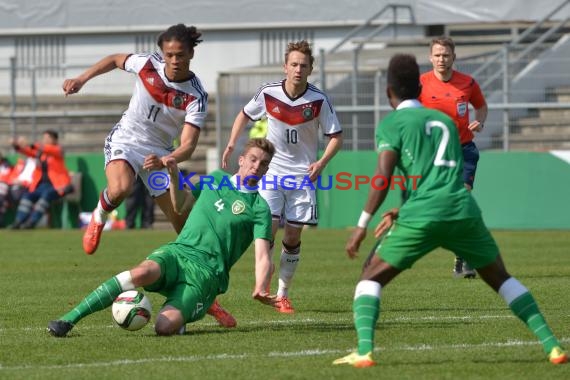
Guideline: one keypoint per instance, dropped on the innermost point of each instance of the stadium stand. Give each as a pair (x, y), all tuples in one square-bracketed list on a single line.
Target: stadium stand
[(537, 107)]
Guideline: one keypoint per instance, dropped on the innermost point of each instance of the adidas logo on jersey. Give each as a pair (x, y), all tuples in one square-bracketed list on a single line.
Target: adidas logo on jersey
[(275, 110), (150, 80)]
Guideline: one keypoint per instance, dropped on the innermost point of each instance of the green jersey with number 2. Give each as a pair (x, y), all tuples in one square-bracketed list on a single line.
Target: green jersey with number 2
[(431, 159)]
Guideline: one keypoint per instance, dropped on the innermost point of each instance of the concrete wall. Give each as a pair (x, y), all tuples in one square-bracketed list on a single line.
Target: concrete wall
[(515, 190)]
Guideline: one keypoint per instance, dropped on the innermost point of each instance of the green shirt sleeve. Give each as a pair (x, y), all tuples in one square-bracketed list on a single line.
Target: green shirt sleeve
[(262, 223), (387, 135)]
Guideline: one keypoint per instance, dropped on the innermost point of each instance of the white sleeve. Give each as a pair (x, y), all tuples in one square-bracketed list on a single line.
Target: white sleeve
[(197, 111), (135, 62), (255, 108), (328, 120)]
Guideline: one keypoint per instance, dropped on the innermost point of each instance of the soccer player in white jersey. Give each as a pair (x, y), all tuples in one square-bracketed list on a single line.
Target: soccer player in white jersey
[(295, 109), (168, 101)]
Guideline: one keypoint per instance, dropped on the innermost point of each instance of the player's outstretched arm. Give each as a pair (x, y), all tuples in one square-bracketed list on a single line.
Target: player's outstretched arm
[(240, 122), (262, 272), (110, 62), (182, 200)]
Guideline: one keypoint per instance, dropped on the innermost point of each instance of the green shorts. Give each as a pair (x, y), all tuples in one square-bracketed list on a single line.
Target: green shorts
[(469, 239), (187, 286)]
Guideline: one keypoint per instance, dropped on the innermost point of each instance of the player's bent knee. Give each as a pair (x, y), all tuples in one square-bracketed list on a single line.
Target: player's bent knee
[(165, 326), (169, 321)]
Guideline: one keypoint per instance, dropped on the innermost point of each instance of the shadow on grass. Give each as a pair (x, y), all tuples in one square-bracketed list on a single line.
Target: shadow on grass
[(317, 326)]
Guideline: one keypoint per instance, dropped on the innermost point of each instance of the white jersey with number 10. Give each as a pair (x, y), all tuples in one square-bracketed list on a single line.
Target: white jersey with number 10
[(293, 125)]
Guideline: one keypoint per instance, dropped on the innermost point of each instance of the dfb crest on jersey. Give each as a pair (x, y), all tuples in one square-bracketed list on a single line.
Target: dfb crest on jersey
[(238, 207), (177, 101), (308, 113)]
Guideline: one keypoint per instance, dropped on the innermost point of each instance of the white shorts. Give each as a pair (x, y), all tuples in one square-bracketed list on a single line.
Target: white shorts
[(298, 204), (156, 181)]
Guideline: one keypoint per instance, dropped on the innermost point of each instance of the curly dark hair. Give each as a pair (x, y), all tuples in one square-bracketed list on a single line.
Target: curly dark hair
[(188, 35), (404, 76)]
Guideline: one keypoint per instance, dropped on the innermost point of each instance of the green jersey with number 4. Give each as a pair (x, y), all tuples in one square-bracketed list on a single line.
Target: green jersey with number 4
[(431, 158), (223, 223)]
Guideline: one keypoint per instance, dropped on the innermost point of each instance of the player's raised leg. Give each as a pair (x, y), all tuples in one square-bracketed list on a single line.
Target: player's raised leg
[(120, 180)]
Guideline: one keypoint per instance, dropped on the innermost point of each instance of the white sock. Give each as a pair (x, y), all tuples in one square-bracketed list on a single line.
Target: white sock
[(367, 288), (512, 289), (287, 268), (125, 280), (99, 214)]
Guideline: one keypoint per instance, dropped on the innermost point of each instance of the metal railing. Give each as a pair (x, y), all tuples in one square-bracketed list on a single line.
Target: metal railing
[(516, 44), (354, 32), (26, 106), (360, 111), (358, 94)]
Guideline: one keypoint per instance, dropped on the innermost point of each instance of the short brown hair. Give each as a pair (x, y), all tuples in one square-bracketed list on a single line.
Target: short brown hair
[(301, 46), (263, 144), (443, 41)]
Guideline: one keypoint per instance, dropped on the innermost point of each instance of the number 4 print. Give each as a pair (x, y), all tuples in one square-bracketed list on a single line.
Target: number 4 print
[(219, 205)]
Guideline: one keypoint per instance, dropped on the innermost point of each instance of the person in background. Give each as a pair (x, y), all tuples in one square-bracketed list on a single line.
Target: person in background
[(259, 129), (14, 183), (451, 92), (6, 170), (50, 179), (139, 201)]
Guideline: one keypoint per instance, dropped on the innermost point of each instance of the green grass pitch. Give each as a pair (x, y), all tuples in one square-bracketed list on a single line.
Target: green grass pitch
[(431, 326)]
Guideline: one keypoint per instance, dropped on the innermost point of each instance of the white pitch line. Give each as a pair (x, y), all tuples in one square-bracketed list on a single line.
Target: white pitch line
[(303, 353)]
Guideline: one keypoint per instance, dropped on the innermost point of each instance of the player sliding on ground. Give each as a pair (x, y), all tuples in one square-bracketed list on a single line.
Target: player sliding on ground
[(191, 271), (439, 212)]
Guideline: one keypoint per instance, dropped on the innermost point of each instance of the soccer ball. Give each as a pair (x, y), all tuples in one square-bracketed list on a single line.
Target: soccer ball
[(131, 310)]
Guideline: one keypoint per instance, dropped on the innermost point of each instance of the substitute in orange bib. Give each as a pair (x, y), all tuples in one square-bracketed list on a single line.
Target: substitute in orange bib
[(50, 179)]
